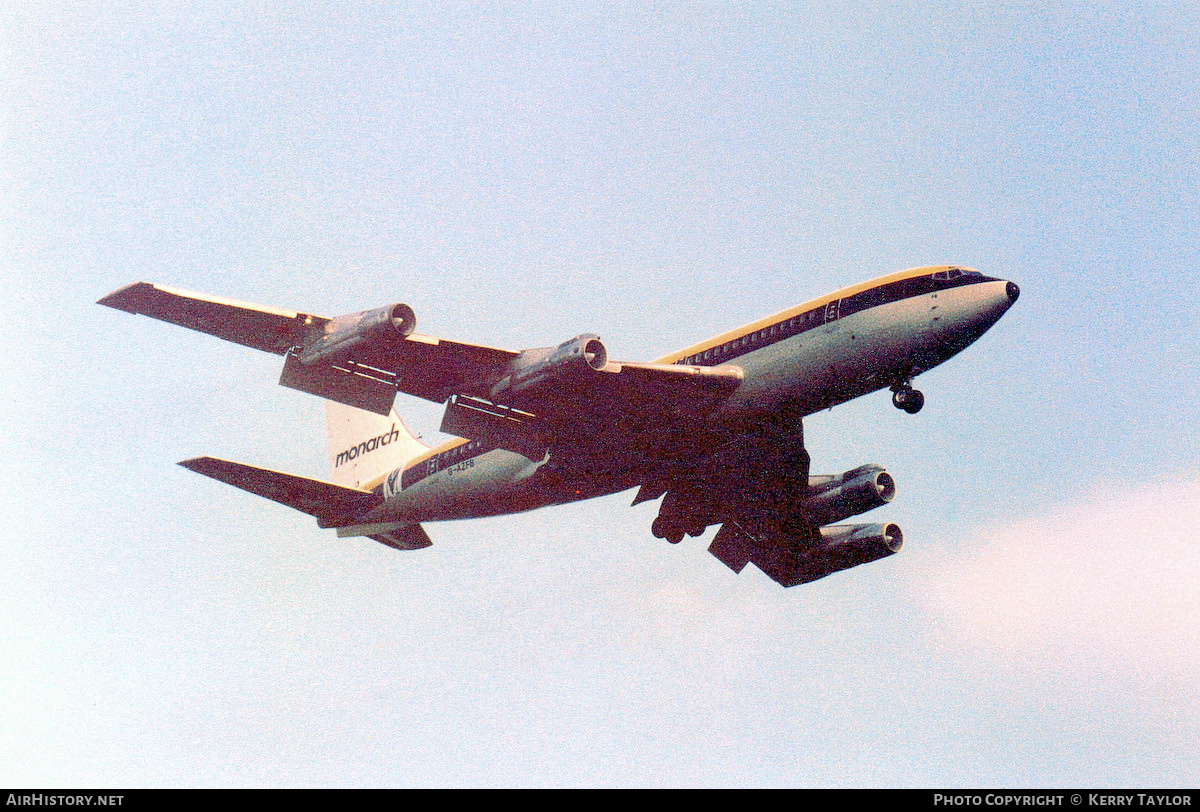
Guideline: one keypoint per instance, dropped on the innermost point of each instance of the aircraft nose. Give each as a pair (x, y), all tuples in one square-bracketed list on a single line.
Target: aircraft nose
[(1013, 292)]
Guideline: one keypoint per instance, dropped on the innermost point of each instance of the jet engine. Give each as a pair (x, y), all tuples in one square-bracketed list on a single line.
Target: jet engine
[(843, 546), (534, 368), (789, 562), (833, 498), (382, 326), (867, 542)]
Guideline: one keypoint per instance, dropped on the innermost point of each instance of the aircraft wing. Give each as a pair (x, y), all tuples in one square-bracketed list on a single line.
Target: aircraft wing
[(264, 328), (339, 358), (330, 504), (363, 359), (639, 407)]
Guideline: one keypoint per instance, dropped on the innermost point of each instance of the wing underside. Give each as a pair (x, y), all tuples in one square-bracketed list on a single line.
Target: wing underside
[(637, 407), (264, 328), (366, 376), (354, 359)]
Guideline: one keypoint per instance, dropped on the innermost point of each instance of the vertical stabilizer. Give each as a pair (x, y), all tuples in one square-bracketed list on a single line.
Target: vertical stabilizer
[(364, 446)]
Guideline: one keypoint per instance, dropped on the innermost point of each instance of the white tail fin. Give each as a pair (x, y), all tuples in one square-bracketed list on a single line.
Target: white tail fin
[(364, 446)]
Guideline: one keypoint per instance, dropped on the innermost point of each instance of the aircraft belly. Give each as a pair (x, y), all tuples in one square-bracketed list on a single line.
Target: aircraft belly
[(486, 485), (494, 483)]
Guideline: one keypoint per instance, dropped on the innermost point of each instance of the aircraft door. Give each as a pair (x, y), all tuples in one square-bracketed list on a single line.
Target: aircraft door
[(925, 336)]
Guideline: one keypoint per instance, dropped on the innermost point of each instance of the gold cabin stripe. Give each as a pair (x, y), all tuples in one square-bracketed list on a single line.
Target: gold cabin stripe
[(784, 315)]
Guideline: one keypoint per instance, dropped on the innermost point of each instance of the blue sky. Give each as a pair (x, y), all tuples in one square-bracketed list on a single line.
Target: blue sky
[(521, 174)]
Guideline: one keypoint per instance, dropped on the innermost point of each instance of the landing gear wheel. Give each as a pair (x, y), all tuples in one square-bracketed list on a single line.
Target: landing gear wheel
[(908, 399), (915, 401), (663, 529)]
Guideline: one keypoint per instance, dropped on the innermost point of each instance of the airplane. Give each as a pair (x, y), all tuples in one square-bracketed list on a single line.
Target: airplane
[(715, 430)]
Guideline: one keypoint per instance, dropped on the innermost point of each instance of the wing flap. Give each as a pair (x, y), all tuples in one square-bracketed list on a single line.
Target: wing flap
[(330, 504), (640, 398), (510, 429), (344, 384), (666, 391), (434, 368), (732, 547)]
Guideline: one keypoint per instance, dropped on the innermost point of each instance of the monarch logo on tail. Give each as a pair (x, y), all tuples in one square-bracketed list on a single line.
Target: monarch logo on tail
[(366, 447)]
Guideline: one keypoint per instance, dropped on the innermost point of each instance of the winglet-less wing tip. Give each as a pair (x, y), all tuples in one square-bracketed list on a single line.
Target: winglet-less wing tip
[(126, 298), (197, 464)]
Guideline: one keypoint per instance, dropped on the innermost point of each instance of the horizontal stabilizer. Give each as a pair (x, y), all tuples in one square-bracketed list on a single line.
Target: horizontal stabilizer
[(397, 535), (409, 537), (330, 504)]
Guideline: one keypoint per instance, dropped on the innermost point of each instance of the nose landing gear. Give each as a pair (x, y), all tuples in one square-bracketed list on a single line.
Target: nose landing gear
[(906, 398)]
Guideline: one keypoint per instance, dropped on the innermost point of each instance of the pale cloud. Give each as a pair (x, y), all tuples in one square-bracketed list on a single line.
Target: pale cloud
[(1109, 584)]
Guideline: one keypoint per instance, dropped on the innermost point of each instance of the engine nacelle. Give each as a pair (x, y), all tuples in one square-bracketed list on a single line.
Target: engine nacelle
[(533, 368), (867, 542), (844, 546), (382, 326), (833, 498)]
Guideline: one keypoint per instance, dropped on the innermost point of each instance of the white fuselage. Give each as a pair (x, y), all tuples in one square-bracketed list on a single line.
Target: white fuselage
[(810, 357)]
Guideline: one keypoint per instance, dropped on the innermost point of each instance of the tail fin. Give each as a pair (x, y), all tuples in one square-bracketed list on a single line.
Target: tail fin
[(364, 446)]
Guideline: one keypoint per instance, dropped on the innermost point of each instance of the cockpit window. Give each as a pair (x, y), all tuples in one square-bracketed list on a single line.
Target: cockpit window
[(955, 273)]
